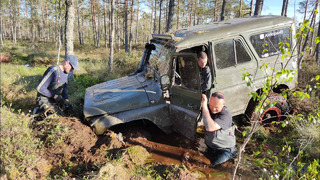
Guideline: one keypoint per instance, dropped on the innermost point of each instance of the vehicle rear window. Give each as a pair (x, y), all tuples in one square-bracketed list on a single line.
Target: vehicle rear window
[(266, 43)]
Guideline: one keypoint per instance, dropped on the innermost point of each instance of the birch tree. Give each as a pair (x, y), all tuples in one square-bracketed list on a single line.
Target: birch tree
[(111, 34)]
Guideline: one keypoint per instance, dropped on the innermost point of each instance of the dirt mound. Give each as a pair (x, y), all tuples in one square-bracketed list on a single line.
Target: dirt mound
[(4, 58), (70, 146)]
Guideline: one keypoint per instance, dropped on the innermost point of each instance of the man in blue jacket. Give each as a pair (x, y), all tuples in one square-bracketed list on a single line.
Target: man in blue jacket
[(52, 88), (220, 132)]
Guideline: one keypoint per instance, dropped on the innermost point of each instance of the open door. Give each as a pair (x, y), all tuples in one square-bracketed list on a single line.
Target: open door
[(185, 94)]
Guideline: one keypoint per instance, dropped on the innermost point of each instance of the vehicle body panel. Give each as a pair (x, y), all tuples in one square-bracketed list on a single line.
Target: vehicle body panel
[(175, 106)]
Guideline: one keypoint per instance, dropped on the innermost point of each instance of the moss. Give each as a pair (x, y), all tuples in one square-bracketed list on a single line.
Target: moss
[(138, 154)]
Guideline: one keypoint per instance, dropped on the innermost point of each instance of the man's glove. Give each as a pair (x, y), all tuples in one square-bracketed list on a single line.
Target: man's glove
[(68, 108)]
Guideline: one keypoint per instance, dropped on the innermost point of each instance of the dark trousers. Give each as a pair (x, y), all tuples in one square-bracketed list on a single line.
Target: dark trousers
[(218, 156), (44, 102)]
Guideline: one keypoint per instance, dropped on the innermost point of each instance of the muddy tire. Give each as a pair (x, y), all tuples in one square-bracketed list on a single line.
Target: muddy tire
[(270, 113)]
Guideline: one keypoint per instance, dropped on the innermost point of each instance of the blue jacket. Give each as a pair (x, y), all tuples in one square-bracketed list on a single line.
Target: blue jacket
[(53, 82)]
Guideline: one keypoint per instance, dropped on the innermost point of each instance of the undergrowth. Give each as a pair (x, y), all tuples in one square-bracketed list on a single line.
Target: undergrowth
[(20, 150)]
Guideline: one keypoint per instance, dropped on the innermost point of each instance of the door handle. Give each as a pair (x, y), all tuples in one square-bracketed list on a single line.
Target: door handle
[(190, 105)]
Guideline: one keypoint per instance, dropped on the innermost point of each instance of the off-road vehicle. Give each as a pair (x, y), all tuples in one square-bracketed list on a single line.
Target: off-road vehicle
[(165, 89)]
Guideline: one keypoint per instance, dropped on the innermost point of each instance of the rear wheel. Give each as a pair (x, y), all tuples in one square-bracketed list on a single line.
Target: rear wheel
[(270, 113)]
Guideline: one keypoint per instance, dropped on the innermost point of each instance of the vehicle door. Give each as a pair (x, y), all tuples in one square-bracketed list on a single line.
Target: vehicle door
[(232, 58), (185, 94)]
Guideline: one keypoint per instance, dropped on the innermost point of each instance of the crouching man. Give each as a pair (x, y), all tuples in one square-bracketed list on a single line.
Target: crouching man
[(52, 90), (220, 132)]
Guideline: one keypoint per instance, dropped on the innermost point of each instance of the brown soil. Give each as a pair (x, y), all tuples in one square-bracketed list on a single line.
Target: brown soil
[(74, 148), (4, 58)]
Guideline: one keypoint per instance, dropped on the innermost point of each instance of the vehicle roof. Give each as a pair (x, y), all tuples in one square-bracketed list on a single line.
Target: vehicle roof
[(200, 34)]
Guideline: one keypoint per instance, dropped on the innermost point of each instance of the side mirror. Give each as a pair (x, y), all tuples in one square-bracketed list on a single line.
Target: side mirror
[(165, 82)]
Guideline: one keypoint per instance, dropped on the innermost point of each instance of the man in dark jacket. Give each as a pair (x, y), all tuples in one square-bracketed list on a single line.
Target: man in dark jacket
[(53, 86), (220, 132), (205, 72)]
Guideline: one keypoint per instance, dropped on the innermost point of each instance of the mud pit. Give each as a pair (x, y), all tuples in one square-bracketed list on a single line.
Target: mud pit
[(79, 146)]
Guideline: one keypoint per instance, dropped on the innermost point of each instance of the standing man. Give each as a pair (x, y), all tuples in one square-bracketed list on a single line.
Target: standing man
[(219, 137), (52, 89), (205, 72)]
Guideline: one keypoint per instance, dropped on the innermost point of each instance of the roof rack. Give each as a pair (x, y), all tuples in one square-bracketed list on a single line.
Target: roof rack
[(163, 36)]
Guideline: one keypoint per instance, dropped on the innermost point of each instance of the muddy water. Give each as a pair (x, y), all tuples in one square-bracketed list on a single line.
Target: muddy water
[(174, 148)]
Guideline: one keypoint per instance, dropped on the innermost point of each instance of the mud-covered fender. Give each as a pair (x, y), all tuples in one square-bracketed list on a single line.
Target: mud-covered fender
[(158, 114)]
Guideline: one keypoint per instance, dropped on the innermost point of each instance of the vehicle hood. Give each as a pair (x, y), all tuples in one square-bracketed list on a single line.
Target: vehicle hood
[(115, 96)]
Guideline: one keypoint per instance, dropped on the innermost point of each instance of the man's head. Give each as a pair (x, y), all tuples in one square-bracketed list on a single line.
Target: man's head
[(70, 63), (216, 102), (202, 59)]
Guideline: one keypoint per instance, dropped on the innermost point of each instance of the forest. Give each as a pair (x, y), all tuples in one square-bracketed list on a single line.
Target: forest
[(108, 37)]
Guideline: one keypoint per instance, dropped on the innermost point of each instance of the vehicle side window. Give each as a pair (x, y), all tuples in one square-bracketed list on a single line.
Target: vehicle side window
[(185, 74), (266, 43), (230, 53)]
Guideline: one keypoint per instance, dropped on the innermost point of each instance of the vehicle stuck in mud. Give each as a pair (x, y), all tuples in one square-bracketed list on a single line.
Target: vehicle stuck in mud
[(165, 89)]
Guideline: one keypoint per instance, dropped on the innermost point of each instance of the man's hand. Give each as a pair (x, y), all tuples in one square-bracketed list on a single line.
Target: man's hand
[(204, 101)]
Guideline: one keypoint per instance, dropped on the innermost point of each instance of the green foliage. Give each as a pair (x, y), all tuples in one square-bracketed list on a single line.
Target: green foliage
[(19, 148), (295, 156)]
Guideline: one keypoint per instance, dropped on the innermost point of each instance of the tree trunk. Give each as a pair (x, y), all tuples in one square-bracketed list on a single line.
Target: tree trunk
[(306, 10), (98, 28), (47, 23), (178, 13), (137, 26), (216, 10), (160, 12), (317, 47), (170, 16), (131, 22), (155, 17), (94, 22), (111, 35), (69, 27), (1, 28), (222, 9), (258, 8), (150, 24), (284, 8), (33, 36), (105, 23), (191, 10), (60, 32), (118, 24), (240, 8), (27, 22), (43, 22), (251, 8), (126, 38), (195, 12), (13, 17), (79, 24)]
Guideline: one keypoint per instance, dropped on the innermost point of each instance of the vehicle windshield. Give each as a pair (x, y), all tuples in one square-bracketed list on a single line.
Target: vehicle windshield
[(159, 59)]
